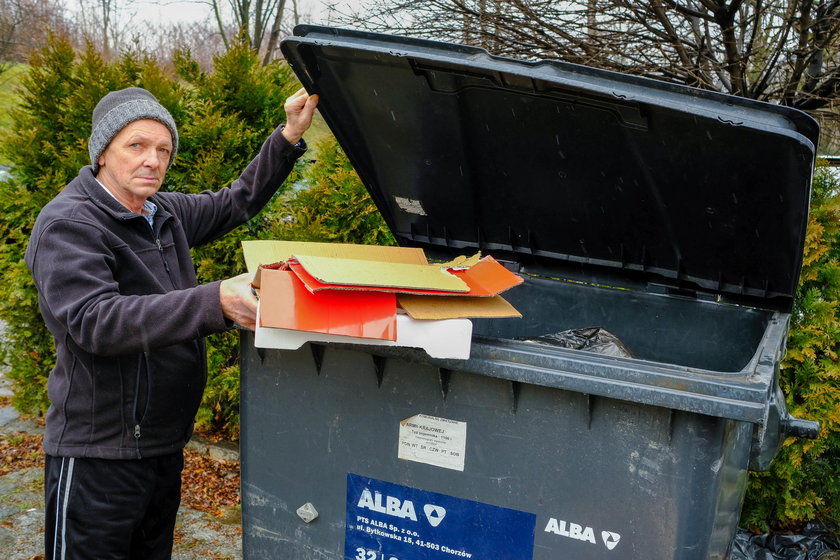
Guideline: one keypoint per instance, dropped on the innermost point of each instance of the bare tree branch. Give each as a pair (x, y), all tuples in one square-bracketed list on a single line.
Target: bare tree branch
[(259, 22), (783, 51), (218, 15), (24, 26), (274, 36)]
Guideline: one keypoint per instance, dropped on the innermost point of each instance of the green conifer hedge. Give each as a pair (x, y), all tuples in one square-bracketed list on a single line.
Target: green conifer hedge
[(334, 206)]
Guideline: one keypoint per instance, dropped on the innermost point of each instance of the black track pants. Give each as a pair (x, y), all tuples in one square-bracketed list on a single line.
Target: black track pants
[(102, 509)]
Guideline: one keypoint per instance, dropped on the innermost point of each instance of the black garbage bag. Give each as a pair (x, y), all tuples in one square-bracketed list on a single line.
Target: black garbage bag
[(813, 542), (593, 339)]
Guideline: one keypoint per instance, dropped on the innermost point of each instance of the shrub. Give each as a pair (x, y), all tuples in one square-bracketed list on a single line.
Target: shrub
[(332, 205), (802, 483)]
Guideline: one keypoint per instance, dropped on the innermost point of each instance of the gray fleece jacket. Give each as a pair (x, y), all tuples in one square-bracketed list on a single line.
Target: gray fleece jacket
[(121, 300)]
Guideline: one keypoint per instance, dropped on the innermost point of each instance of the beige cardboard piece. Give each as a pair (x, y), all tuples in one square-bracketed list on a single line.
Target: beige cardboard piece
[(260, 252), (446, 307), (366, 273), (462, 261)]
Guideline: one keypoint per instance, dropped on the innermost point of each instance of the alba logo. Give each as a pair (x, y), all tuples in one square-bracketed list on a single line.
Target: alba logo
[(388, 505), (610, 539), (434, 514), (581, 532)]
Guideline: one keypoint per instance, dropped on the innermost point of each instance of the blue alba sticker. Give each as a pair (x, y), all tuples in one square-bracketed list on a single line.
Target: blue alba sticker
[(388, 521)]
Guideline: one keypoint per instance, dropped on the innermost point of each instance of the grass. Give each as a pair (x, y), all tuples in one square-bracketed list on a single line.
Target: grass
[(9, 81), (317, 131)]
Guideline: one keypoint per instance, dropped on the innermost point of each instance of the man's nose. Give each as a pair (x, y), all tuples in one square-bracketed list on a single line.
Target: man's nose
[(152, 158)]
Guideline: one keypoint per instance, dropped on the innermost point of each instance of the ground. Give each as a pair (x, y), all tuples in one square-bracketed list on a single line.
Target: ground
[(209, 522)]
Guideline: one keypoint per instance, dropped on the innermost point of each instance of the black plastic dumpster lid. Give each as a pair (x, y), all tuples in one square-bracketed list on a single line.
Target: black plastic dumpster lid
[(552, 163)]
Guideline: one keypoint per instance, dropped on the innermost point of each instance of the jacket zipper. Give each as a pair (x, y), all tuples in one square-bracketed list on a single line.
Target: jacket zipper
[(144, 358), (163, 258), (137, 440)]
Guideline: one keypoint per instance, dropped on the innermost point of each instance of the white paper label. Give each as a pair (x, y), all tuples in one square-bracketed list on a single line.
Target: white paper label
[(410, 205), (433, 441)]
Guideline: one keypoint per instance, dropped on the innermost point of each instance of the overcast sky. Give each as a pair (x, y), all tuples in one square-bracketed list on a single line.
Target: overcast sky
[(187, 11)]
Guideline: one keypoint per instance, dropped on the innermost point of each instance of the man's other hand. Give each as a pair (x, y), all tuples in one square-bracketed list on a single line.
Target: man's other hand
[(239, 303)]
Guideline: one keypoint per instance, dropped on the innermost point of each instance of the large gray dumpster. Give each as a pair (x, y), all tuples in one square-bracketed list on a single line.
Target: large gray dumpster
[(674, 218)]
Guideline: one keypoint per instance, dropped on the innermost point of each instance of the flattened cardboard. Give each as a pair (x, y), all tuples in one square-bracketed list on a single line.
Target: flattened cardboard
[(286, 303), (487, 276), (446, 307), (314, 285), (261, 252), (447, 339), (380, 274)]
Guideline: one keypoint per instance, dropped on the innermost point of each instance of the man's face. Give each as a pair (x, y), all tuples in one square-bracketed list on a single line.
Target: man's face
[(133, 165)]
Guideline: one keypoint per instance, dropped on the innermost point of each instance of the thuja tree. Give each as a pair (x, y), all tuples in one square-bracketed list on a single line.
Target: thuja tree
[(332, 204), (223, 118), (231, 113), (804, 480)]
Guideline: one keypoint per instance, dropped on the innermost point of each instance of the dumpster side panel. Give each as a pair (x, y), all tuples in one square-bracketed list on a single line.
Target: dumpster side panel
[(604, 478)]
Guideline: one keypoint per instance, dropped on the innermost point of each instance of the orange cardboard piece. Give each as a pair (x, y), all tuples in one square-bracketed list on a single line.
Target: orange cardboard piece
[(487, 277), (285, 303), (446, 307)]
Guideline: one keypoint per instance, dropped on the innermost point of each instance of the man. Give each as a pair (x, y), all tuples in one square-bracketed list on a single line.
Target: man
[(117, 289)]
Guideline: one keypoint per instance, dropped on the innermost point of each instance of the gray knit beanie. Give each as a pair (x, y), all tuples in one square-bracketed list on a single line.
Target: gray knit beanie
[(119, 108)]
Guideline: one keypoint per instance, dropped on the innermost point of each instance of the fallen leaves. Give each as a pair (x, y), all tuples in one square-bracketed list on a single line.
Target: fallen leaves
[(19, 452), (207, 485)]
